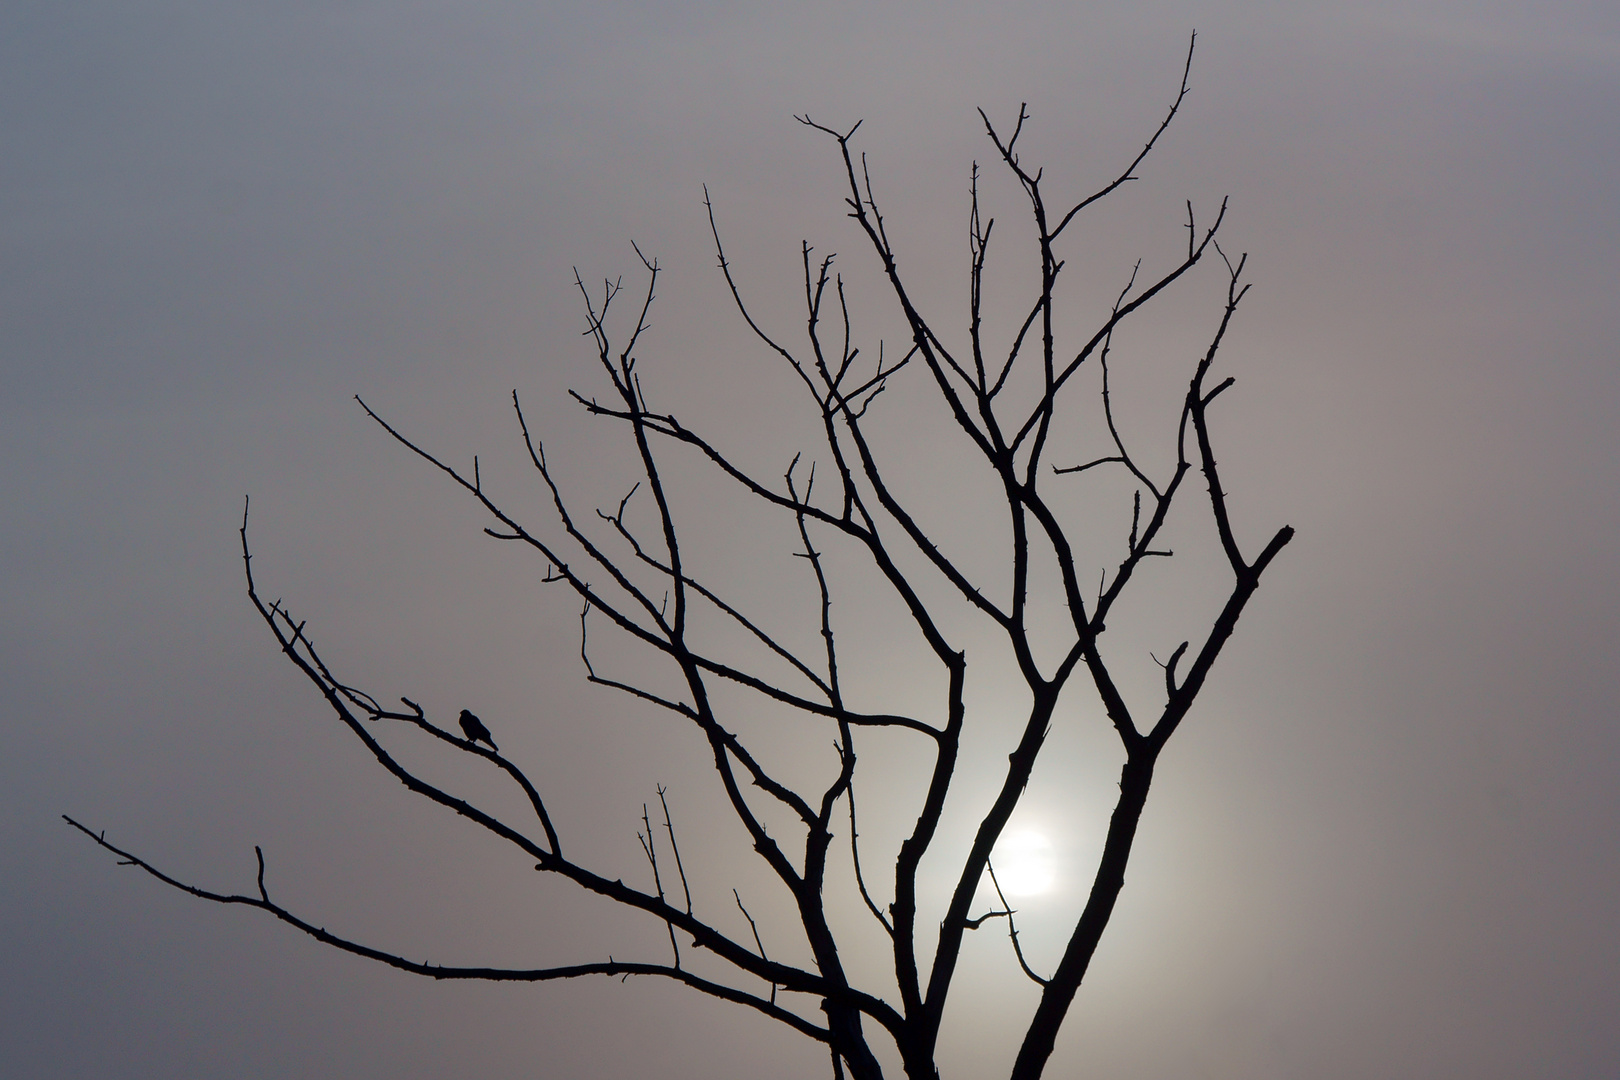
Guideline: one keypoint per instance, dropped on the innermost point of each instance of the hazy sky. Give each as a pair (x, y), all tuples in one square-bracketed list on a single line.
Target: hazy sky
[(1387, 844)]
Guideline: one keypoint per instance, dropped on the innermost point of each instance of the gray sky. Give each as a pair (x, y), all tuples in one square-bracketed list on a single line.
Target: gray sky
[(1386, 843)]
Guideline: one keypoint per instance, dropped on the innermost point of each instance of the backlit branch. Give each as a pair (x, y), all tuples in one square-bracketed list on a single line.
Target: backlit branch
[(608, 968), (645, 587)]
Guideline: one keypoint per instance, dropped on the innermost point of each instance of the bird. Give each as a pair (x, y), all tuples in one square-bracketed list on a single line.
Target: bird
[(476, 730)]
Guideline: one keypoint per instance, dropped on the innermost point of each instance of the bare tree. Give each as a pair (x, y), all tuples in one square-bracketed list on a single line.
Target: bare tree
[(650, 594)]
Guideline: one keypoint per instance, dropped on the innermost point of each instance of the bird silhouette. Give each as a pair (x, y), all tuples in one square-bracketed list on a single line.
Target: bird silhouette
[(476, 730)]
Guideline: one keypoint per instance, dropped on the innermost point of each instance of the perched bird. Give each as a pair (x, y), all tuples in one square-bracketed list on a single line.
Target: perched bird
[(476, 730)]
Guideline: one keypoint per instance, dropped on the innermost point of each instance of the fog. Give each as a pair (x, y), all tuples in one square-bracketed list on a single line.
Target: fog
[(1383, 844)]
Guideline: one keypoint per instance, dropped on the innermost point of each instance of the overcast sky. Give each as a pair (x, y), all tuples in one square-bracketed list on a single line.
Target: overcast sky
[(1386, 844)]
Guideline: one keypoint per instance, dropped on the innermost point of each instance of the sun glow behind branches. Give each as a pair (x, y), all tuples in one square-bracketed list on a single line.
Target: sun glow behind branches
[(1024, 862)]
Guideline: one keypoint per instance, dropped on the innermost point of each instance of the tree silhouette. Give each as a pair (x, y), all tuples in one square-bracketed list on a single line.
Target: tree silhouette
[(1003, 399)]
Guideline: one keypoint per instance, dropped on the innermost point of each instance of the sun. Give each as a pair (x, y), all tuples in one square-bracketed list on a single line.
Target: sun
[(1024, 863)]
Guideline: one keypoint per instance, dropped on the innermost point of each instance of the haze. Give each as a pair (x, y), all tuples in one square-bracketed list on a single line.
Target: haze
[(1387, 844)]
